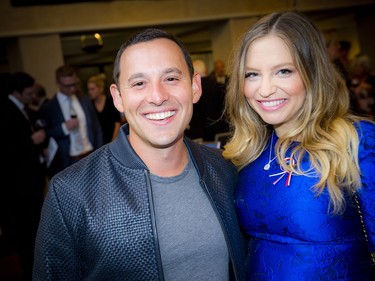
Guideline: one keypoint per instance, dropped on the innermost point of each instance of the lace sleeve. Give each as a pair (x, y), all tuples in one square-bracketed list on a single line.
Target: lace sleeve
[(367, 192)]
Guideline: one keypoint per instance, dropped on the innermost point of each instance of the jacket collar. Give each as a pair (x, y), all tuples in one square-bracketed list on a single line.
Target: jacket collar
[(125, 154)]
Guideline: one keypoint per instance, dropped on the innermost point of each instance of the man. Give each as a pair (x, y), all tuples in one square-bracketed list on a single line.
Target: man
[(218, 74), (208, 118), (39, 97), (23, 172), (151, 205), (71, 121)]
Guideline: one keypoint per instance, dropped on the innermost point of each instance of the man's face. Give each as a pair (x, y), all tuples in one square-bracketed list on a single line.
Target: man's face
[(69, 85), (26, 95), (220, 68), (156, 93)]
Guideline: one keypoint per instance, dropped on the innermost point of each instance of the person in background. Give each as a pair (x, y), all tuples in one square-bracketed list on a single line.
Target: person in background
[(209, 109), (345, 47), (218, 74), (362, 86), (109, 117), (152, 204), (71, 121), (200, 67), (303, 158), (39, 97), (23, 171), (195, 129), (4, 82), (333, 48)]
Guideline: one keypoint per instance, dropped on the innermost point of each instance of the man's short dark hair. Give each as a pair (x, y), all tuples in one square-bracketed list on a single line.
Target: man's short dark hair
[(149, 35), (18, 81), (65, 71)]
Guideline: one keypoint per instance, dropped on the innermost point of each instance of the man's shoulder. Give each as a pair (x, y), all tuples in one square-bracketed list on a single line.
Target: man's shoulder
[(96, 164), (211, 155), (49, 102)]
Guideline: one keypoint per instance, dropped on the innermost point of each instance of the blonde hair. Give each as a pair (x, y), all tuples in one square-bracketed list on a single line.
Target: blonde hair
[(98, 80), (324, 128)]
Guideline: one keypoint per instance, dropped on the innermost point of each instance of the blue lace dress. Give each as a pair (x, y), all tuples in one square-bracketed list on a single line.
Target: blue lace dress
[(292, 235)]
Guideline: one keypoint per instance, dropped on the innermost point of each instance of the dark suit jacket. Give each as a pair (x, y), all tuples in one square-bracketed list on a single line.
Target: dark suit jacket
[(23, 183), (21, 156), (53, 116), (207, 118)]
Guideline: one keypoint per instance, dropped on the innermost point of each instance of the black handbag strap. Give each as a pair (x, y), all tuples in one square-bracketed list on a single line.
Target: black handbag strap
[(356, 199)]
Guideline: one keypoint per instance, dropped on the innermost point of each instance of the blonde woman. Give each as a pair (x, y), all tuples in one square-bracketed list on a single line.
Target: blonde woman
[(109, 117), (301, 157)]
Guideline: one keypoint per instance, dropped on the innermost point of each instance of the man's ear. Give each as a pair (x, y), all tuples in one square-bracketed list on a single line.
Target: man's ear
[(116, 97), (197, 87)]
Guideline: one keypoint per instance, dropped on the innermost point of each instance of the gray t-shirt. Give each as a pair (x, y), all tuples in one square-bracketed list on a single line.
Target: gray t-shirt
[(191, 240)]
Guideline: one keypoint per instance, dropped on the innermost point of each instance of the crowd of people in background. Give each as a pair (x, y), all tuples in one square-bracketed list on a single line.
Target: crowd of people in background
[(358, 73), (362, 85), (23, 172), (208, 118), (45, 134)]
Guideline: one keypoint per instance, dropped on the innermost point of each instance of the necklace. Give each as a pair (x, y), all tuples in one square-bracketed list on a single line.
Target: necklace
[(268, 165)]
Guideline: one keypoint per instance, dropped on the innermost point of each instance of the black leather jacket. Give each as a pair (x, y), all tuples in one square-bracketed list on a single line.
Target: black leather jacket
[(98, 221)]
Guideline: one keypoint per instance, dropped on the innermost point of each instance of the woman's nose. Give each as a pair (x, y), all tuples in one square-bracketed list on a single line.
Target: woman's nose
[(267, 87)]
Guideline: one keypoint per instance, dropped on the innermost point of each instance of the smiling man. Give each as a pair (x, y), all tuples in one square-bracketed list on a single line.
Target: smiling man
[(152, 204)]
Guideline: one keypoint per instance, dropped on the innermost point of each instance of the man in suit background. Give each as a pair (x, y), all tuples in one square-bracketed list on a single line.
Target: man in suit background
[(23, 175), (208, 119), (71, 121)]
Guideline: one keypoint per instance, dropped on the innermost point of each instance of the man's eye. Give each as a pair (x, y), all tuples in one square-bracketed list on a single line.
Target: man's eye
[(138, 84), (171, 79)]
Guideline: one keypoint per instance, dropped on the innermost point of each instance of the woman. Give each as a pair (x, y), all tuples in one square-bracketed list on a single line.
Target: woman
[(301, 157), (109, 117)]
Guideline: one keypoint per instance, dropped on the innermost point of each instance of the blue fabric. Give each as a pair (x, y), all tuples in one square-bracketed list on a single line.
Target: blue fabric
[(293, 236)]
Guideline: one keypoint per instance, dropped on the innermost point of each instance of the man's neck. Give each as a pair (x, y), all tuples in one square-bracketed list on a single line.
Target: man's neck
[(164, 162)]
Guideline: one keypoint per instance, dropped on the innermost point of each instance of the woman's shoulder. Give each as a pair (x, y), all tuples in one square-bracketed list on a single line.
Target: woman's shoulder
[(366, 135), (365, 128)]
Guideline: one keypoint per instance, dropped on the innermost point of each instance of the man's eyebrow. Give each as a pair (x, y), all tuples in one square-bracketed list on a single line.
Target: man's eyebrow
[(173, 69), (136, 75), (166, 71)]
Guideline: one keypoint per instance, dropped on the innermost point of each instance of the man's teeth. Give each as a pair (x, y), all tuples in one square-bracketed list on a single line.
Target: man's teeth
[(160, 115), (272, 103)]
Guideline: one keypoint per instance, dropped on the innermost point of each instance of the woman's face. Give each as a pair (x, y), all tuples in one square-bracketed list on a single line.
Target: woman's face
[(273, 86), (93, 90)]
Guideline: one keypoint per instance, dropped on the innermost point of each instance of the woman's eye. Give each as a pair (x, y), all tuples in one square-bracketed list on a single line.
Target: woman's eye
[(250, 74), (285, 71)]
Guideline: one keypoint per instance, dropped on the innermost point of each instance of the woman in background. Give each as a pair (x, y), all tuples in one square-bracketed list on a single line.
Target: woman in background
[(109, 117), (302, 156)]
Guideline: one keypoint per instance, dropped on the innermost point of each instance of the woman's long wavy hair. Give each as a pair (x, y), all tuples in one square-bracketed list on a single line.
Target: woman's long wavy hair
[(324, 129)]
